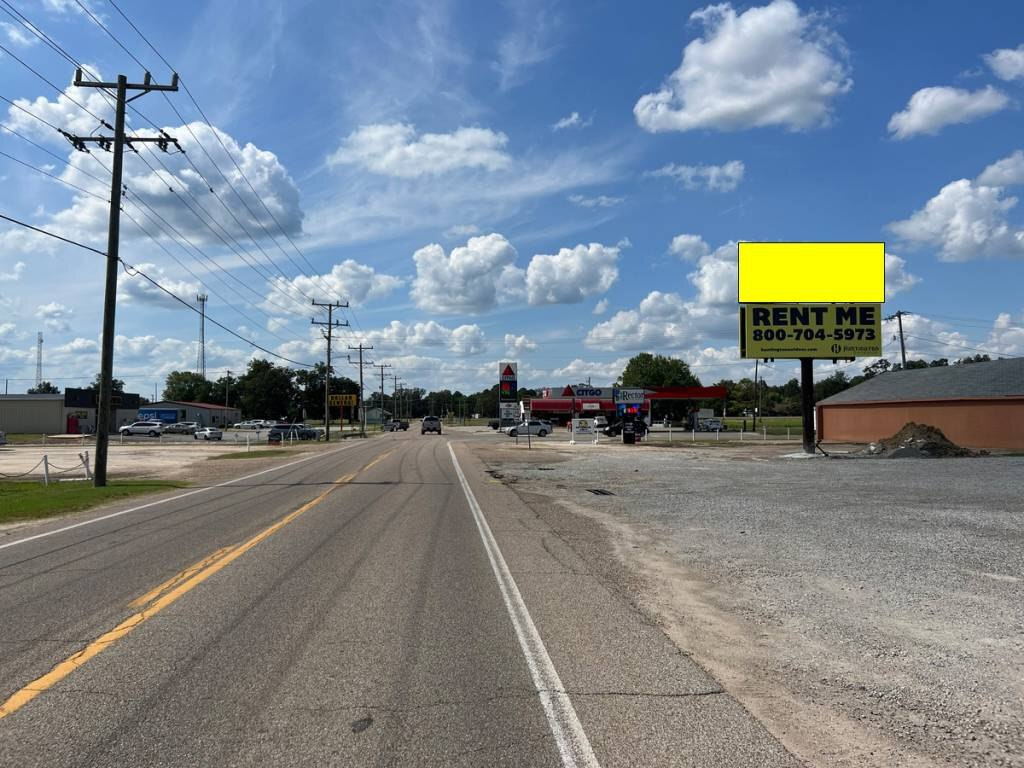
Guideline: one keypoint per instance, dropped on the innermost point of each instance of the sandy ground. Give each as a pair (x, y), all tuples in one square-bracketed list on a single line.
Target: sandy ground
[(870, 614)]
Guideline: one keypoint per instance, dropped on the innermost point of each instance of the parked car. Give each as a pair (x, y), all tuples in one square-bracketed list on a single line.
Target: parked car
[(538, 427), (430, 424), (396, 424), (283, 431), (182, 428), (208, 433), (712, 425), (151, 428), (250, 424), (614, 430)]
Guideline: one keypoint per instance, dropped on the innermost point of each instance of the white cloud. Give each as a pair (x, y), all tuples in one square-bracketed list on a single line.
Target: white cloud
[(395, 150), (897, 279), (1006, 336), (601, 201), (932, 109), (769, 65), (137, 290), (689, 247), (599, 373), (516, 346), (964, 221), (527, 43), (1007, 172), (406, 338), (55, 316), (461, 230), (601, 307), (716, 178), (572, 274), (572, 121), (347, 281), (667, 320), (18, 35), (78, 345), (1007, 63), (14, 275), (471, 279), (7, 330)]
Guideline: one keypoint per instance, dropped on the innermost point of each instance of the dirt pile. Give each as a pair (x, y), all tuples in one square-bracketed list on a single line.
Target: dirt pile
[(918, 441)]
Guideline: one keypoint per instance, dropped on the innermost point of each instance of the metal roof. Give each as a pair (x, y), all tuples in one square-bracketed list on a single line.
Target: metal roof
[(998, 378)]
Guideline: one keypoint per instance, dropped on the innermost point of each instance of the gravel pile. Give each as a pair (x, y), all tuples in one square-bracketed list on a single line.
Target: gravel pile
[(917, 441)]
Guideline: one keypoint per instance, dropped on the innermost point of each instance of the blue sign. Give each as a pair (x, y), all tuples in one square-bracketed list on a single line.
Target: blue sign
[(166, 415)]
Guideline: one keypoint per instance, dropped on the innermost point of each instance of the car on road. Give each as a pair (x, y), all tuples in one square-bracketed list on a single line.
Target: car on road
[(250, 424), (396, 424), (430, 424), (538, 427), (614, 430), (208, 433), (182, 428), (151, 428)]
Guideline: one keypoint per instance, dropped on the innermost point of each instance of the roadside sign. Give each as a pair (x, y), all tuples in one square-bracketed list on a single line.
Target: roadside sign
[(630, 395), (508, 412), (824, 331), (811, 272), (341, 400), (508, 384), (590, 407), (583, 426)]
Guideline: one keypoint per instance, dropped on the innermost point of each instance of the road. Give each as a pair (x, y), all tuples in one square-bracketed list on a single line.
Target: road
[(380, 603)]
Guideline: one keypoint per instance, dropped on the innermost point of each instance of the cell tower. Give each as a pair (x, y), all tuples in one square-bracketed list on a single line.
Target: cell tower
[(201, 360), (39, 358)]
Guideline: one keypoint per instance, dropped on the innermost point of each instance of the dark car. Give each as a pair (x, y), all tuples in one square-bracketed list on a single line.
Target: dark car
[(291, 432), (614, 430), (494, 424), (396, 424), (430, 424)]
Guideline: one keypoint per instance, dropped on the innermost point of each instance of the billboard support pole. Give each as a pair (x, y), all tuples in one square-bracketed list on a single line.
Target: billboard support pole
[(807, 402)]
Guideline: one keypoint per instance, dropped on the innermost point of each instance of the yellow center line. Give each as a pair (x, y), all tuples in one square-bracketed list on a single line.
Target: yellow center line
[(164, 595)]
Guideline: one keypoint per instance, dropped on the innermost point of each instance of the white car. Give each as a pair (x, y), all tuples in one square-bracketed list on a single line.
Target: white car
[(538, 427), (151, 428), (251, 424), (208, 433)]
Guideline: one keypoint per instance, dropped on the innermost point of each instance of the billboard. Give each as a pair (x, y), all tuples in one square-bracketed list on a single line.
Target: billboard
[(825, 331), (796, 273)]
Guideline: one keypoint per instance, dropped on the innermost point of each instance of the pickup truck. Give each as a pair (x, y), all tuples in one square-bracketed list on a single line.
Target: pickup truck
[(396, 424)]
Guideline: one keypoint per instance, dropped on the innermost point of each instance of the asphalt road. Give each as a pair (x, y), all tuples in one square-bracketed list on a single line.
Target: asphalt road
[(375, 604)]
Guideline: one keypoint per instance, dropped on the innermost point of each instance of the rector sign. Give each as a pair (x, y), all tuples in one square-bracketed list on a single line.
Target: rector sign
[(824, 331), (508, 383)]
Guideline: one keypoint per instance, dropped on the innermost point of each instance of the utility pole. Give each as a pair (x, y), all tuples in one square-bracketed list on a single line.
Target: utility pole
[(201, 357), (331, 325), (382, 366), (39, 358), (394, 396), (227, 383), (362, 402), (115, 143), (755, 394), (903, 347)]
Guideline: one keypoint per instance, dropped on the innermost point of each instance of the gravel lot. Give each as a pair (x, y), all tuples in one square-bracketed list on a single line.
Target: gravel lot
[(870, 612)]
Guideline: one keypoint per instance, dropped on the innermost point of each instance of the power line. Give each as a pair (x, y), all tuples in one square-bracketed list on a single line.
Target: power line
[(52, 176)]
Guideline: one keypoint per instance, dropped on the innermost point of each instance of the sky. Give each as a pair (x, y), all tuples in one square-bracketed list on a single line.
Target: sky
[(560, 184)]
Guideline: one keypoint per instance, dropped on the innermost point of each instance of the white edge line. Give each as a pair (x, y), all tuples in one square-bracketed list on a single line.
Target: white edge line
[(570, 738), (173, 498)]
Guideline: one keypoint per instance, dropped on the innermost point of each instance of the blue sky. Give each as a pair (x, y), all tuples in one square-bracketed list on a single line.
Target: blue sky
[(560, 184)]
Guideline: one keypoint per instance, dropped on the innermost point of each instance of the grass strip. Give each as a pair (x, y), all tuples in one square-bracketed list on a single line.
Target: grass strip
[(260, 454), (30, 500)]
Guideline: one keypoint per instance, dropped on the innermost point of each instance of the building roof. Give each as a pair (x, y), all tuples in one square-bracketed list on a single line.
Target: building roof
[(998, 378), (209, 406)]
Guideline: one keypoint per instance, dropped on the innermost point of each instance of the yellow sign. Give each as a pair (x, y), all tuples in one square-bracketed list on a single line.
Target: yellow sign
[(811, 330), (349, 400), (797, 273)]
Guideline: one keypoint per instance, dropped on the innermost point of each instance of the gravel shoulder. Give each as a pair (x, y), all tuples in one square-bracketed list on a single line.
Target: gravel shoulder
[(869, 613)]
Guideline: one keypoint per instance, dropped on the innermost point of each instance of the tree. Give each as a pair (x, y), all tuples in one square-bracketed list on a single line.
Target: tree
[(647, 370), (877, 367), (832, 385), (979, 358), (266, 390), (187, 387), (44, 388), (117, 384)]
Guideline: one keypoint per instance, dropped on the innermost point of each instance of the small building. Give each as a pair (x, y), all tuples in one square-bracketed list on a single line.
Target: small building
[(979, 405), (377, 415), (172, 411), (74, 412)]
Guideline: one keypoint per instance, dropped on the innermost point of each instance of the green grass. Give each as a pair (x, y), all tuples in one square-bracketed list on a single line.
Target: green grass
[(24, 500), (776, 425), (260, 454)]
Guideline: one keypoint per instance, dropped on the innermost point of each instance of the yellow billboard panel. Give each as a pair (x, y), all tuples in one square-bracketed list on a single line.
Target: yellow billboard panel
[(811, 330), (336, 400), (796, 273)]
